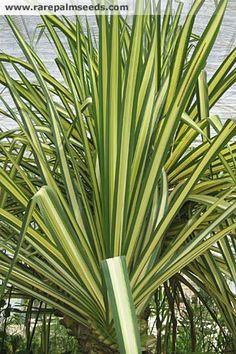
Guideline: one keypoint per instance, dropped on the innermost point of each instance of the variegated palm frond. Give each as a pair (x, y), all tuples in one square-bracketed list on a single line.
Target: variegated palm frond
[(120, 158)]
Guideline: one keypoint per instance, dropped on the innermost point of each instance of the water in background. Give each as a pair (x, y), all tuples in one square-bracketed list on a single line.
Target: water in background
[(226, 40)]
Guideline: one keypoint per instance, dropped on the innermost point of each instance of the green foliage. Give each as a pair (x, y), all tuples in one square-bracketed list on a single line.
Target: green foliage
[(210, 338), (107, 162), (186, 320), (16, 337)]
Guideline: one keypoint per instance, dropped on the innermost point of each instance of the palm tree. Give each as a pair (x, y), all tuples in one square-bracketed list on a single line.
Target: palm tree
[(103, 185)]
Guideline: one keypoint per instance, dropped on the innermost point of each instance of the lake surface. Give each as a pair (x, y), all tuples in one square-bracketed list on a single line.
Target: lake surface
[(226, 40)]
